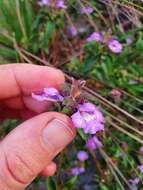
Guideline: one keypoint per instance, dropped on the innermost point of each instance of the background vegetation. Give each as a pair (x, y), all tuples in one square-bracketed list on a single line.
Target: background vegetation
[(42, 35)]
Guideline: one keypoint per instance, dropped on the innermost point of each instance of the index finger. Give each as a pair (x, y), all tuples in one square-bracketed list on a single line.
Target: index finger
[(17, 79)]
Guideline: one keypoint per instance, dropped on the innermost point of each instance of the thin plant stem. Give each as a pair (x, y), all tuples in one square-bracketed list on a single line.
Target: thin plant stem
[(101, 172), (122, 122), (20, 19), (125, 132), (21, 54)]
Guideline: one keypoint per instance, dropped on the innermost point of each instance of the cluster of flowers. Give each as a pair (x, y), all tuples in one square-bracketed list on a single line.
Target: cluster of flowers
[(59, 4), (114, 45), (82, 156), (85, 116)]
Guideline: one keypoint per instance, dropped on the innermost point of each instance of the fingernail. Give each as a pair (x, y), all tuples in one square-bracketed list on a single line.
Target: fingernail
[(57, 134)]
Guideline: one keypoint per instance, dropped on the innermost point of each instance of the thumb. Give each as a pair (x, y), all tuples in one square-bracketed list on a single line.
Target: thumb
[(29, 148)]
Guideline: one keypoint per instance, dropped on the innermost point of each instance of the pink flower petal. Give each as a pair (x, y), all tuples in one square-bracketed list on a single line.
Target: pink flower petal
[(87, 107), (115, 46), (39, 98), (50, 91), (86, 10), (78, 120), (93, 143), (95, 37)]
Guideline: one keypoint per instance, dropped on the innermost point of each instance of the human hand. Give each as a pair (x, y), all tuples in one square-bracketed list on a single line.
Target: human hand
[(29, 149)]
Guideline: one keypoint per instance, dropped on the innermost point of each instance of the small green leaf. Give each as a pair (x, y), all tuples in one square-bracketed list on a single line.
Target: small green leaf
[(50, 184), (81, 133), (70, 184), (103, 187)]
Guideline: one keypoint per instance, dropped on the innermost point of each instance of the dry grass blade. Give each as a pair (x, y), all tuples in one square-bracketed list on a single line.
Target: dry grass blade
[(110, 163), (133, 97), (125, 132), (123, 123)]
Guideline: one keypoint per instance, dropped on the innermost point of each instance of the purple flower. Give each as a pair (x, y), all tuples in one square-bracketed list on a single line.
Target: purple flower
[(131, 82), (93, 143), (95, 37), (129, 40), (76, 171), (141, 168), (72, 31), (81, 170), (115, 46), (86, 10), (44, 2), (82, 156), (49, 94), (134, 182), (116, 94), (60, 4), (89, 118)]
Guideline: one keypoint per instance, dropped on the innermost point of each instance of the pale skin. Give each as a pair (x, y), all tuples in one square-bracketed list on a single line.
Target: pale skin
[(29, 149)]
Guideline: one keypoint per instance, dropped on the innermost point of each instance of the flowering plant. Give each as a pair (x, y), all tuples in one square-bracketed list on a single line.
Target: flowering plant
[(101, 42), (84, 115)]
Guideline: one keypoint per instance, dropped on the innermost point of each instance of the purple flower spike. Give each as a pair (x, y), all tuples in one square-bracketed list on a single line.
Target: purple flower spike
[(49, 94), (86, 10), (60, 4), (134, 182), (115, 46), (89, 118), (82, 156), (141, 168), (95, 37), (93, 143)]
